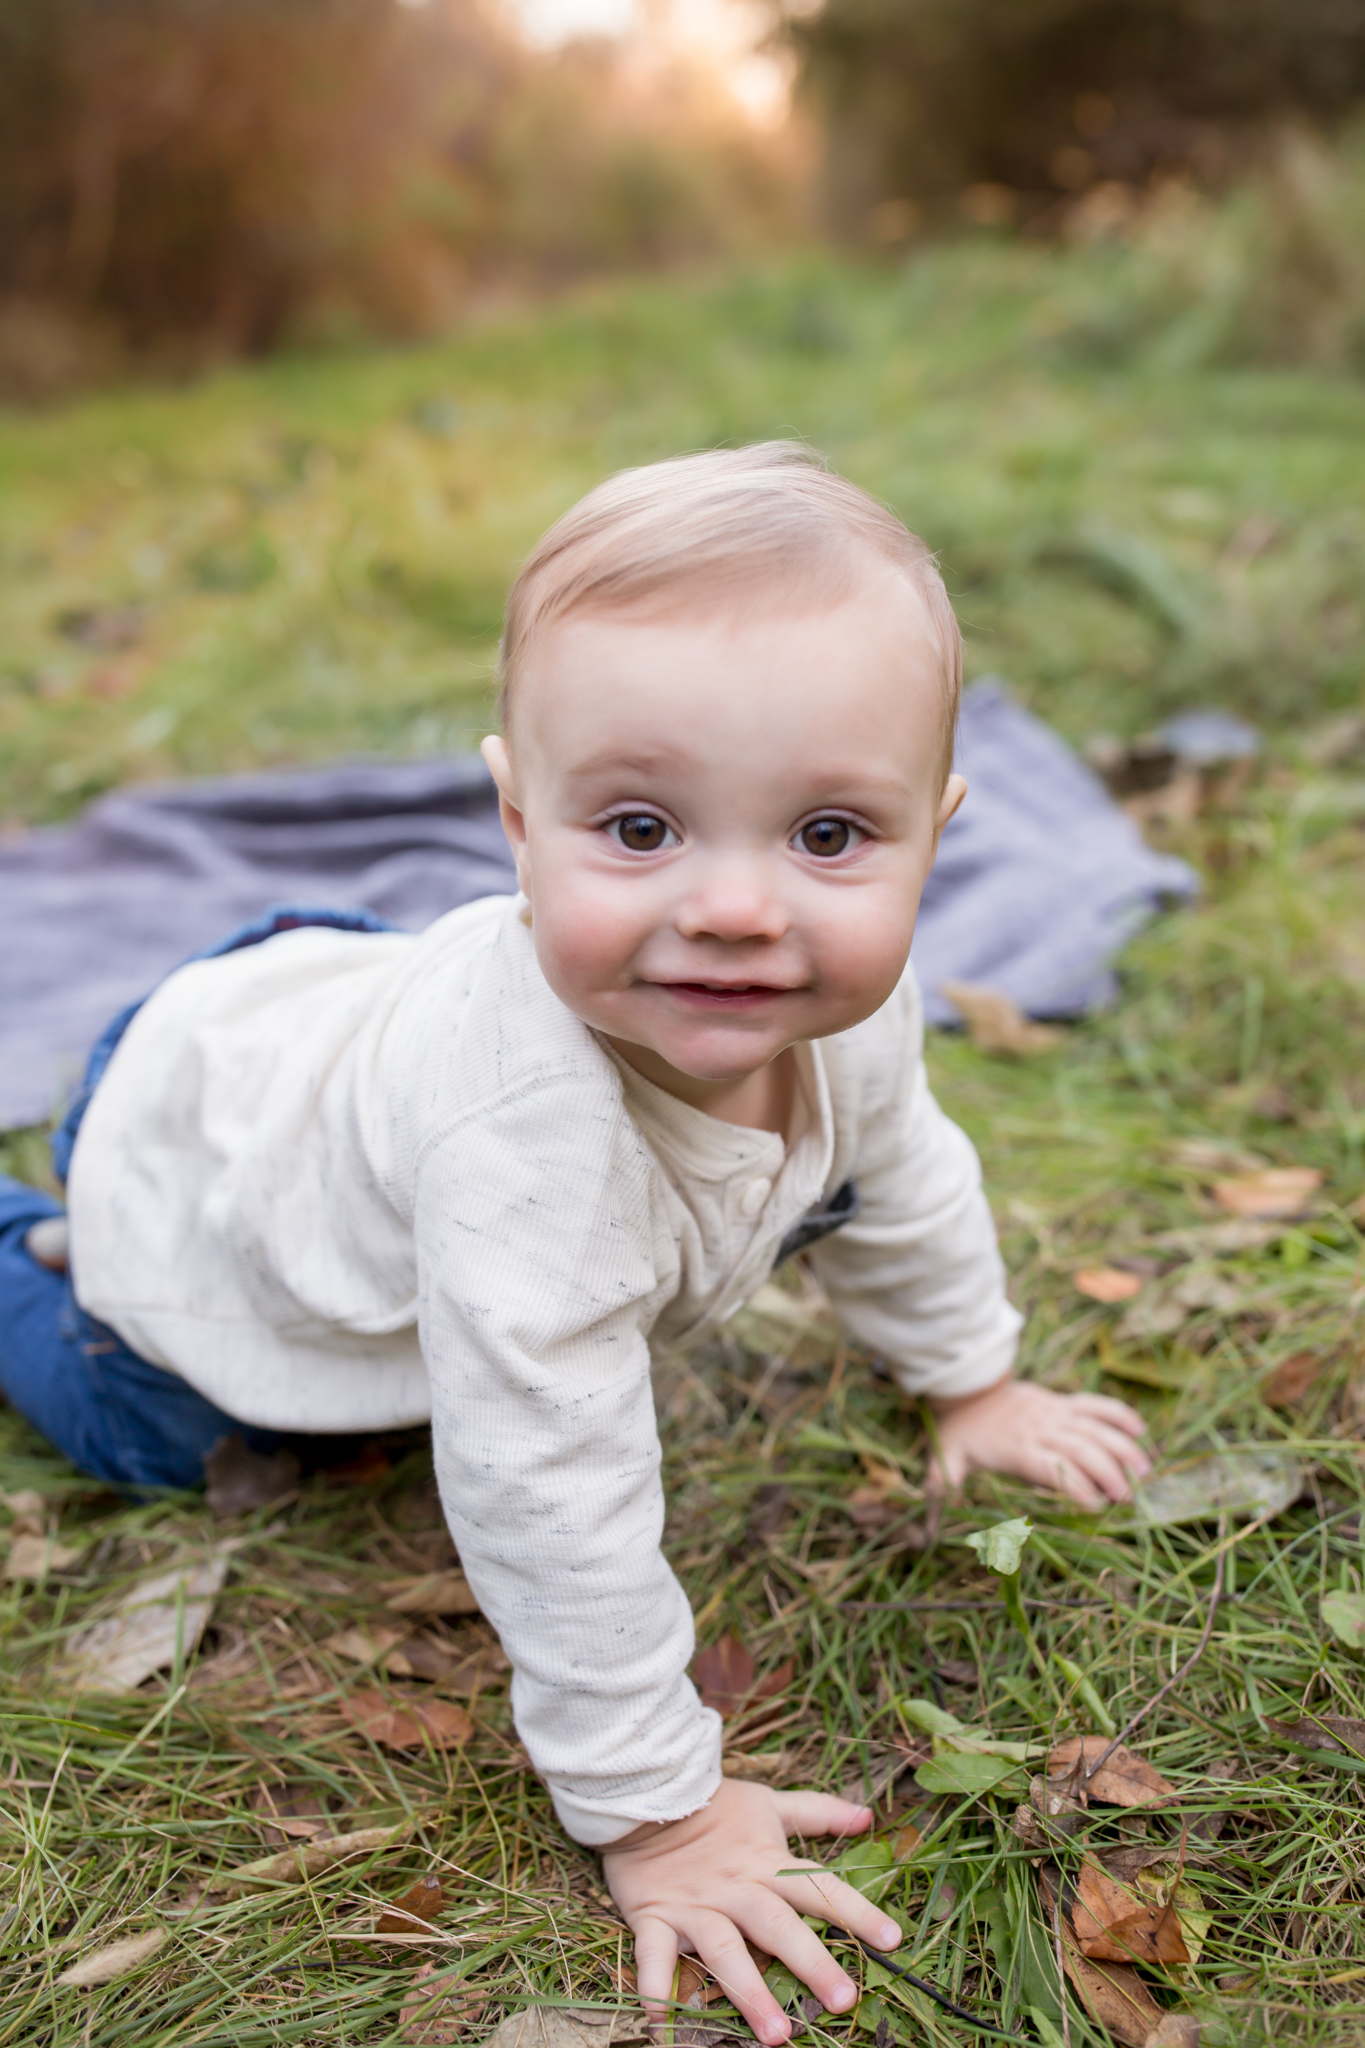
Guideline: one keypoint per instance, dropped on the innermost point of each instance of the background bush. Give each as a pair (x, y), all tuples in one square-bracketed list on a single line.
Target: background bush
[(927, 98), (204, 177)]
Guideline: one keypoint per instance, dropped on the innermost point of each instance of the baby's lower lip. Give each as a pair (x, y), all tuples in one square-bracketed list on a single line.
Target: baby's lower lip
[(715, 996)]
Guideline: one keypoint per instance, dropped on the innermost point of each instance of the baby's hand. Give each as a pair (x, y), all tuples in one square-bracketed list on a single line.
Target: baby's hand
[(1082, 1445), (723, 1876)]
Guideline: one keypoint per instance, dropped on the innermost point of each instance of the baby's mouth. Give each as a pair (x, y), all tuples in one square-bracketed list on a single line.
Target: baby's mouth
[(725, 995)]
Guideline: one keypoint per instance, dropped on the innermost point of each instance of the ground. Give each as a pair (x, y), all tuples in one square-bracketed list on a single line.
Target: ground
[(309, 558)]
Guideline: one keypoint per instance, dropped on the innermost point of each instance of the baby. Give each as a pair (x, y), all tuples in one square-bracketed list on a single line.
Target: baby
[(346, 1179)]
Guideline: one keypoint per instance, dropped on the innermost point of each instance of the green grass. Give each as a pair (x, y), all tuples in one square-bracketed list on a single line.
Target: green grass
[(317, 551)]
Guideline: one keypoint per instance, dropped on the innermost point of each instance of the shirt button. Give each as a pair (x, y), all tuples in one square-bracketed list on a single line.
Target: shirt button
[(754, 1196)]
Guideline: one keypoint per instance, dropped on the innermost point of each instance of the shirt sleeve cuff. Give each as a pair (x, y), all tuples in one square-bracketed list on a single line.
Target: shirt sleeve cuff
[(597, 1817)]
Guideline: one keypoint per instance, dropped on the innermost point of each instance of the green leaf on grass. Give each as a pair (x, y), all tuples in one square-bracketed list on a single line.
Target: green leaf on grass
[(1344, 1614), (933, 1720), (1001, 1546), (964, 1776)]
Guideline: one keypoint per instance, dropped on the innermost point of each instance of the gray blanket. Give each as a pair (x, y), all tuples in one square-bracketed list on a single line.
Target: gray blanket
[(1039, 882)]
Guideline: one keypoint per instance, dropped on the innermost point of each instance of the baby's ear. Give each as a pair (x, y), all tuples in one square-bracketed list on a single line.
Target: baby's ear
[(499, 764), (954, 789)]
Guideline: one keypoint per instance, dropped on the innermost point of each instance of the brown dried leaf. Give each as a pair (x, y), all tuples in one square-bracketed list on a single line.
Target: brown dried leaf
[(724, 1675), (483, 1667), (995, 1023), (1275, 1191), (1341, 1732), (1174, 2030), (437, 2010), (296, 1812), (360, 1645), (1059, 1812), (1113, 1926), (420, 1656), (115, 1961), (33, 1557), (116, 1653), (958, 1671), (433, 1593), (1292, 1378), (370, 1464), (547, 2026), (305, 1859), (28, 1509), (1107, 1284), (241, 1481), (417, 1907), (1126, 1780), (409, 1725), (1112, 1993)]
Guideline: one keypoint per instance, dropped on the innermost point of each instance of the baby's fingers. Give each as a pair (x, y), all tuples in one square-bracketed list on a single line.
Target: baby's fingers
[(827, 1897), (1104, 1409), (820, 1813), (656, 1964)]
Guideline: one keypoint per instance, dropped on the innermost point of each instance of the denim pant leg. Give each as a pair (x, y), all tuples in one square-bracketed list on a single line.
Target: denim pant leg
[(114, 1415)]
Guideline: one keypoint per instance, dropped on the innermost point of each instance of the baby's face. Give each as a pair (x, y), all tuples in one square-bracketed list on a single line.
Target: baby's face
[(724, 824)]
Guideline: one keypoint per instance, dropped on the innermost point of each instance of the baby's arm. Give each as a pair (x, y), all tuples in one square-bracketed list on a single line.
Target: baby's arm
[(1082, 1445), (917, 1276), (724, 1876)]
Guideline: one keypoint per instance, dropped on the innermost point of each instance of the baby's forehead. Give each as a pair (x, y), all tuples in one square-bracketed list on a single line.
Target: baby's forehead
[(568, 644)]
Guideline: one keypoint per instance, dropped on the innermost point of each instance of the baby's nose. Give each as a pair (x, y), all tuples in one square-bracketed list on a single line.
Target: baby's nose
[(734, 909)]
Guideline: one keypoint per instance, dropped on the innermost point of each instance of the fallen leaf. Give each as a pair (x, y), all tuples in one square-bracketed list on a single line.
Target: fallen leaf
[(420, 1656), (241, 1481), (1114, 1994), (1292, 1378), (304, 1859), (907, 1841), (995, 1023), (1113, 1926), (115, 1961), (369, 1465), (1002, 1545), (1274, 1191), (362, 1645), (1344, 1614), (437, 2010), (118, 1652), (957, 1671), (1250, 1480), (433, 1593), (409, 1725), (1340, 1732), (486, 1666), (1212, 1155), (1106, 1284), (756, 1770), (29, 1510), (1174, 2030), (421, 1902), (726, 1677), (549, 2026), (964, 1774), (1127, 1779), (33, 1557), (290, 1812)]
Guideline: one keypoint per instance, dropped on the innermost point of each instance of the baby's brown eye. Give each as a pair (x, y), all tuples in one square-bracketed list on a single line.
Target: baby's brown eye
[(826, 836), (641, 834)]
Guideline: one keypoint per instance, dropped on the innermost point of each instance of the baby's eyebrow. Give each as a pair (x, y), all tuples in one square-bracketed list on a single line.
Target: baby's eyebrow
[(643, 762)]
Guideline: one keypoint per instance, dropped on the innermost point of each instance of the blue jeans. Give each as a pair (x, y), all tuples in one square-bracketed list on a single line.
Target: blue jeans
[(113, 1414)]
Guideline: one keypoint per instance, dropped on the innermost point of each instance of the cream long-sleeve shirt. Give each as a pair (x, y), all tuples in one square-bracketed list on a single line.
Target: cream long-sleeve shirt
[(346, 1181)]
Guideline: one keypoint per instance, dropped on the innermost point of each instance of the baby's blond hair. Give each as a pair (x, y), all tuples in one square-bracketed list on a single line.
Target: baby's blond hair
[(738, 523)]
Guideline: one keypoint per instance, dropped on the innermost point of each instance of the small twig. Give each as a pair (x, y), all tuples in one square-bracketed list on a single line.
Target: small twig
[(1175, 1679), (959, 2012)]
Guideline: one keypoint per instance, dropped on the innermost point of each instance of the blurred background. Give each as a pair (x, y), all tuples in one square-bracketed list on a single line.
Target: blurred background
[(313, 313)]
